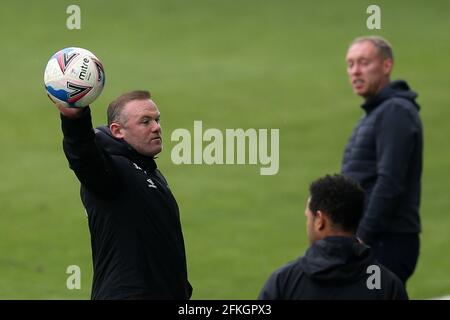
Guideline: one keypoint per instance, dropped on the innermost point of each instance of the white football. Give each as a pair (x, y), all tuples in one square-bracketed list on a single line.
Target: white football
[(74, 77)]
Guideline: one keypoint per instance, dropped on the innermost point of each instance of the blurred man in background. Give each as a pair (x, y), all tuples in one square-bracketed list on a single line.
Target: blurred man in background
[(384, 154), (137, 242), (336, 265)]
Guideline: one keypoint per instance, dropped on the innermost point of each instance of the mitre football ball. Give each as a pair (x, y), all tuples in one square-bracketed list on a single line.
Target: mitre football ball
[(74, 77)]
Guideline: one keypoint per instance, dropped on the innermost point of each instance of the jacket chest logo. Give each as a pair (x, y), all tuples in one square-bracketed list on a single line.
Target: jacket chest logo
[(150, 182)]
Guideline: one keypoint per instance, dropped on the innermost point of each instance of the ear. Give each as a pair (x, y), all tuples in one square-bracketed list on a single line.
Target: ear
[(387, 66), (116, 130), (320, 221)]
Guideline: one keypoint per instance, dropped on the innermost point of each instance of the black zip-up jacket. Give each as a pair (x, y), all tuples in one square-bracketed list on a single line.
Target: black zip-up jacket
[(384, 154), (337, 268), (137, 242)]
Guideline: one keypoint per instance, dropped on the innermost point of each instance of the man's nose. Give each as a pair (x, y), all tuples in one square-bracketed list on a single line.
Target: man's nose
[(156, 127), (355, 69)]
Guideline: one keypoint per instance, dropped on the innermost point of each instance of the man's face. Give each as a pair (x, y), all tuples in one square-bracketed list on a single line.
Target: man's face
[(141, 129), (367, 70)]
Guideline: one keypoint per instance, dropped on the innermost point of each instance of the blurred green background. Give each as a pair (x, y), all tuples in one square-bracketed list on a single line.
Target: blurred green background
[(231, 64)]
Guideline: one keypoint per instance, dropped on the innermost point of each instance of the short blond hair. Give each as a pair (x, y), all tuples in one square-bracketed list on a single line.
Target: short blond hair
[(383, 46)]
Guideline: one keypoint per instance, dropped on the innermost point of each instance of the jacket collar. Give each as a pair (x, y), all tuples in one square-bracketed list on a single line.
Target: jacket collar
[(120, 147), (397, 88)]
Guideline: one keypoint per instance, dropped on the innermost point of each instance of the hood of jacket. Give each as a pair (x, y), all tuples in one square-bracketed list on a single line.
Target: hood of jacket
[(395, 89), (120, 147), (337, 259)]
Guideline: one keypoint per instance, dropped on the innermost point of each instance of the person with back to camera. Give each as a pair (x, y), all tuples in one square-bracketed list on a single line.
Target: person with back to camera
[(336, 265)]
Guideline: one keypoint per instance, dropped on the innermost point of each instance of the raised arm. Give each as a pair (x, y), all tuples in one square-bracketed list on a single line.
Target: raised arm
[(91, 166)]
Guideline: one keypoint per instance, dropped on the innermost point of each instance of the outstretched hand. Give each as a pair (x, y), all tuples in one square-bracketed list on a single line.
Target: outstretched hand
[(68, 112)]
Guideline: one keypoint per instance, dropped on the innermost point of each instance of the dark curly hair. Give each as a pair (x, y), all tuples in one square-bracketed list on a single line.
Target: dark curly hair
[(339, 197)]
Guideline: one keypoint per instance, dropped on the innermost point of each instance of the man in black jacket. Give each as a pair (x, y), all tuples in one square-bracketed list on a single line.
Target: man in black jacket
[(336, 265), (384, 154), (137, 242)]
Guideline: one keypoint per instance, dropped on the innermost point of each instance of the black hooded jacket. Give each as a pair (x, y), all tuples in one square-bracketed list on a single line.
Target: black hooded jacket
[(384, 154), (136, 237), (335, 268)]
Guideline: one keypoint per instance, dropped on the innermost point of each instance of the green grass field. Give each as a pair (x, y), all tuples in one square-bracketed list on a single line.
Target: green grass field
[(231, 64)]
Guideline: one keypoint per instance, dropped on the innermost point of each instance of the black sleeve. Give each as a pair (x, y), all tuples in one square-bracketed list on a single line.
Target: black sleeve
[(270, 290), (91, 166), (394, 144), (399, 291)]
